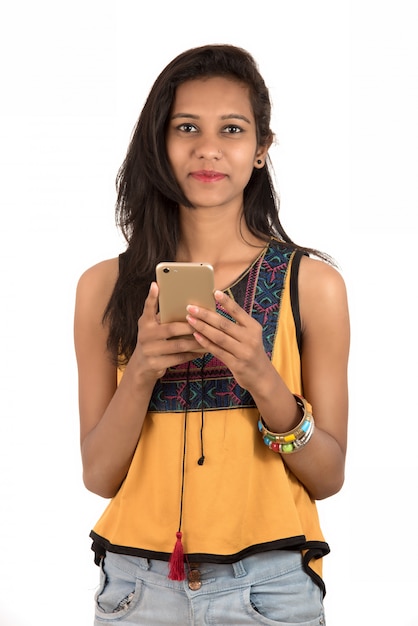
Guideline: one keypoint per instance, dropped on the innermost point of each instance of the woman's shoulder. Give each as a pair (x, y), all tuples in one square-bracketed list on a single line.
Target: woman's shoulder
[(96, 283), (322, 290), (101, 271), (317, 274)]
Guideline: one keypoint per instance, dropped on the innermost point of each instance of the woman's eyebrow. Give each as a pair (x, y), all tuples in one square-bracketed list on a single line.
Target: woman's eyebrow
[(235, 116), (189, 115), (229, 116)]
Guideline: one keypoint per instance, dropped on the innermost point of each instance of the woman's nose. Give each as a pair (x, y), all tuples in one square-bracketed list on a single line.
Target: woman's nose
[(208, 148)]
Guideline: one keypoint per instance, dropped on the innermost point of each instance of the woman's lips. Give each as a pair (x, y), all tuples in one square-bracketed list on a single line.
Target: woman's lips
[(207, 176)]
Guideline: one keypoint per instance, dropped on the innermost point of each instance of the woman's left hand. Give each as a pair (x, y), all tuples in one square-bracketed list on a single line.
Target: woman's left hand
[(238, 344)]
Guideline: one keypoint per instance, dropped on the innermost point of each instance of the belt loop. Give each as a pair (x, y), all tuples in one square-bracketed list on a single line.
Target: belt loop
[(143, 563), (239, 569)]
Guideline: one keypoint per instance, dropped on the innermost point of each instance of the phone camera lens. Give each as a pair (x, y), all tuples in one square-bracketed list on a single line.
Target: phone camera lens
[(166, 270)]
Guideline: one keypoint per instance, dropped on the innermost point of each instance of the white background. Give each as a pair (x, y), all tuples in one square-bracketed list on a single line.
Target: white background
[(343, 80)]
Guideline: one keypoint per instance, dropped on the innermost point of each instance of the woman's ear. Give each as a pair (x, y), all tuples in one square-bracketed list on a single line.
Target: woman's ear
[(261, 154), (260, 157)]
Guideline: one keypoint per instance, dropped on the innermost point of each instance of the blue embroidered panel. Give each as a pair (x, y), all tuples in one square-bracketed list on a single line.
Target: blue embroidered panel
[(205, 383)]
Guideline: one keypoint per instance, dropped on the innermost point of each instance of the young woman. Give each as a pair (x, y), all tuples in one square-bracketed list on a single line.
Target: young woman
[(215, 435)]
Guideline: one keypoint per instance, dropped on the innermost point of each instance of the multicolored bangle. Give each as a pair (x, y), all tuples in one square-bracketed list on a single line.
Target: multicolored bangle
[(295, 439)]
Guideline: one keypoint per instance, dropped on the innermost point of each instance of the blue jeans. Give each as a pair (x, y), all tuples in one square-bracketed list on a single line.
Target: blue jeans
[(270, 588)]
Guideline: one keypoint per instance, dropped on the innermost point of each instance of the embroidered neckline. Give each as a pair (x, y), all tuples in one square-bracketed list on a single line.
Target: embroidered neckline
[(261, 295), (247, 269)]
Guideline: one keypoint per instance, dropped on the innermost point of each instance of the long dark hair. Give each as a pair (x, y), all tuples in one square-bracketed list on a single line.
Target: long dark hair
[(148, 194)]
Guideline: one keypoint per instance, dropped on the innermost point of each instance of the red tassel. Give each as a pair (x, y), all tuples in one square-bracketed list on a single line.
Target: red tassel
[(177, 560)]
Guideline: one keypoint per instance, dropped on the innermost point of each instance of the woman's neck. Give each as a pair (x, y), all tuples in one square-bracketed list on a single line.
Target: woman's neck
[(208, 236), (212, 237)]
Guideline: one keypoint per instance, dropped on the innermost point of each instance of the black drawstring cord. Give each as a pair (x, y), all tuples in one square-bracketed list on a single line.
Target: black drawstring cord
[(202, 456), (202, 412), (201, 460), (176, 561), (183, 468)]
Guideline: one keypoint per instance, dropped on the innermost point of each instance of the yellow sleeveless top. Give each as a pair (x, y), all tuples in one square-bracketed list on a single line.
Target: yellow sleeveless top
[(242, 499)]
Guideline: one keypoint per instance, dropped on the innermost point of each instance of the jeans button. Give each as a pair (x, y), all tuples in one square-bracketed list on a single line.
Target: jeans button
[(194, 579)]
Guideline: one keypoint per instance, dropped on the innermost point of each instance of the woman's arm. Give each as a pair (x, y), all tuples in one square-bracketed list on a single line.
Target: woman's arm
[(111, 416), (325, 345), (325, 349)]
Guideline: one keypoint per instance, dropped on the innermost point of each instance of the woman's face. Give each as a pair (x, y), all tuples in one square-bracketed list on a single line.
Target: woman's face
[(211, 141)]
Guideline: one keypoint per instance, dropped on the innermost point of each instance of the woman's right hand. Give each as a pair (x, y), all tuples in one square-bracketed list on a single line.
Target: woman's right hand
[(160, 346)]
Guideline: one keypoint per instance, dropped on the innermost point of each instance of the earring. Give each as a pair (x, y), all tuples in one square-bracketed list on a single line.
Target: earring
[(259, 161)]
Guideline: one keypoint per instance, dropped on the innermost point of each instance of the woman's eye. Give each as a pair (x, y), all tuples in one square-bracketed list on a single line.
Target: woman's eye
[(232, 129), (187, 128)]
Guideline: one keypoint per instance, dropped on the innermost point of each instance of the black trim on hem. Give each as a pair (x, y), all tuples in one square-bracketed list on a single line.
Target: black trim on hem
[(314, 550)]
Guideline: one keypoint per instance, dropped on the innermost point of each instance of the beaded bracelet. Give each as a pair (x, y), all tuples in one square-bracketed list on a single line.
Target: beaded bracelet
[(293, 440)]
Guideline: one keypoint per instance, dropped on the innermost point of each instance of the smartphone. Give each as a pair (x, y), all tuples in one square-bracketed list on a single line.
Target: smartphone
[(181, 284)]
